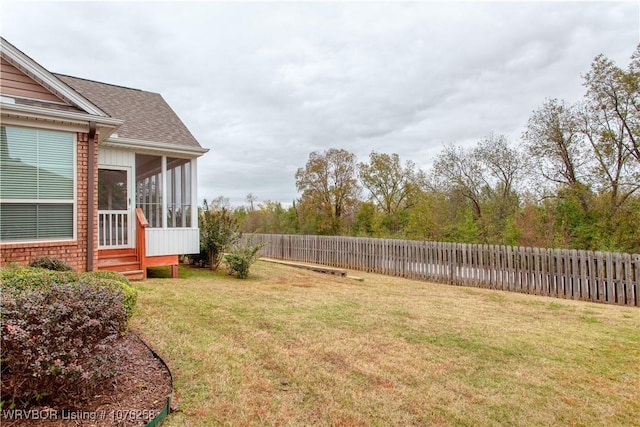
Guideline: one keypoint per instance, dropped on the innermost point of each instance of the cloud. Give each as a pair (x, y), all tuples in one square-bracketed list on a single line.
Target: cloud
[(264, 84)]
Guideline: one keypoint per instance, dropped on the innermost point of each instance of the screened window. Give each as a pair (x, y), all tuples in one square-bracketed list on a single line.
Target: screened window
[(178, 192), (37, 172), (153, 174), (149, 188)]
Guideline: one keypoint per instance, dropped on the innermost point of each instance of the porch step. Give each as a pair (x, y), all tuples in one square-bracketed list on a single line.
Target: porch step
[(119, 266), (133, 274), (111, 252), (124, 261), (116, 259)]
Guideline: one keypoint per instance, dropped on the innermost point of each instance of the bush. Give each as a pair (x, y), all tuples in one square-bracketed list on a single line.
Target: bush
[(218, 231), (58, 341), (50, 264), (240, 259), (114, 280), (25, 278), (105, 274)]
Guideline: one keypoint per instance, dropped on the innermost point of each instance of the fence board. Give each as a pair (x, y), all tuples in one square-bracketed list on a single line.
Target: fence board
[(635, 289), (627, 285), (609, 278), (618, 283)]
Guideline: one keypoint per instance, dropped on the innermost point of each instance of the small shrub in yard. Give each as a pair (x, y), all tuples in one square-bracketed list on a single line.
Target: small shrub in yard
[(25, 278), (50, 264), (218, 231), (240, 259), (105, 274), (113, 280), (58, 341)]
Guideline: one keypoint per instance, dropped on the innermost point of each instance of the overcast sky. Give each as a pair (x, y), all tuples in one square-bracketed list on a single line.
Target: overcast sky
[(262, 85)]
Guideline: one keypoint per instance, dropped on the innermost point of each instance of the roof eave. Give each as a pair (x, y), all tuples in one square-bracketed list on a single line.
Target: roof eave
[(16, 57), (153, 146), (107, 125)]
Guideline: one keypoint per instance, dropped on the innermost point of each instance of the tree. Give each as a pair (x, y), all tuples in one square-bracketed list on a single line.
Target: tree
[(218, 230), (436, 216), (390, 185), (503, 164), (251, 199), (456, 170), (487, 175), (590, 152), (610, 124), (554, 140), (613, 102), (329, 188), (505, 168)]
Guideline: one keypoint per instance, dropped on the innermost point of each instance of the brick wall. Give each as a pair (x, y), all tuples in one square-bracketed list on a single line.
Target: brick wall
[(73, 253)]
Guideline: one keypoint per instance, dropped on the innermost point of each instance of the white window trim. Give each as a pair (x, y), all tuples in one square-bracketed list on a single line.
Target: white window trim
[(194, 193), (131, 197), (163, 172), (74, 202)]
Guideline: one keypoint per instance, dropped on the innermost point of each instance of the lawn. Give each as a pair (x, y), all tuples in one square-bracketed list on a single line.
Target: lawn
[(293, 347)]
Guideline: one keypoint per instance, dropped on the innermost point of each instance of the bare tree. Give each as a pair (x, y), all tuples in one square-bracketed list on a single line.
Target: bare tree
[(554, 140), (486, 175), (613, 102), (504, 164), (251, 199), (456, 170), (610, 122)]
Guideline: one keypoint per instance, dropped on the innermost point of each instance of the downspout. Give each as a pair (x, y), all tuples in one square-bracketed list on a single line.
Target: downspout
[(91, 196)]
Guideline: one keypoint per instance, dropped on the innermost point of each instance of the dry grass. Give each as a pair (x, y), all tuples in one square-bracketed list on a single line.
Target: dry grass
[(292, 347)]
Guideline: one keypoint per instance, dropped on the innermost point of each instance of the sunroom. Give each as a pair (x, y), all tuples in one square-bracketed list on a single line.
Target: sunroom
[(162, 187)]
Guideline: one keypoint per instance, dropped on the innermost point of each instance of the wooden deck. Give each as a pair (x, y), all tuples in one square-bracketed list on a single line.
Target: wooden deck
[(133, 262)]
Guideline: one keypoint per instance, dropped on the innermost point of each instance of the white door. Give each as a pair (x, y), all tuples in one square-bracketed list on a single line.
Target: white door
[(115, 219)]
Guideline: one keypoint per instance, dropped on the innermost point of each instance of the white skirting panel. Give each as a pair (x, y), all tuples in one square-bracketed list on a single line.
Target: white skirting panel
[(172, 241)]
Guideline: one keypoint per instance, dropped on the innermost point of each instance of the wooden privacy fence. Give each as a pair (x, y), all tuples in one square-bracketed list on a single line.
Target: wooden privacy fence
[(605, 277)]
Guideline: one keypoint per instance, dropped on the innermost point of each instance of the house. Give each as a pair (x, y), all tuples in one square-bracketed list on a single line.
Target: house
[(97, 175)]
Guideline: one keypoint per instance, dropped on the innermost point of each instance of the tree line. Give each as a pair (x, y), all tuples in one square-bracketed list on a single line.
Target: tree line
[(572, 181)]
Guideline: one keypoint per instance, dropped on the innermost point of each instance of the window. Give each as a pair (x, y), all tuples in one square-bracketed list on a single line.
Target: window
[(37, 184), (153, 173), (112, 190), (178, 192), (149, 188)]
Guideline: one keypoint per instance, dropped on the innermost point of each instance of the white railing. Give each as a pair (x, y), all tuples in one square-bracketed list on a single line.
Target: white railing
[(113, 229)]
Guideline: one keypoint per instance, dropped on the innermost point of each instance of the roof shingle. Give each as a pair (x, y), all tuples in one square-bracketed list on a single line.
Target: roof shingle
[(146, 115)]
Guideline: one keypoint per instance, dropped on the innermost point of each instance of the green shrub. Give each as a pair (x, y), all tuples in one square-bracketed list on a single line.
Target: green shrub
[(114, 280), (25, 278), (50, 264), (240, 259), (58, 341), (218, 231), (105, 274)]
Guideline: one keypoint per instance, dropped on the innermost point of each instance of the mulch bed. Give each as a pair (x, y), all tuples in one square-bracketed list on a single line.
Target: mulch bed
[(132, 398)]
